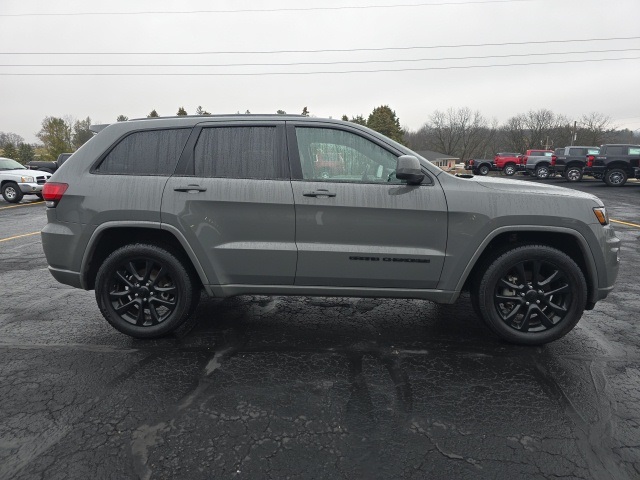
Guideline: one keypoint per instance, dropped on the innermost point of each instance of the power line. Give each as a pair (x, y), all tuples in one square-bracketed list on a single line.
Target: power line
[(261, 10), (321, 63), (430, 47), (255, 74)]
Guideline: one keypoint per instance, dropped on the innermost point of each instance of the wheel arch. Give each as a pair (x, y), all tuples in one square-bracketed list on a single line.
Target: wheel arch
[(563, 239), (110, 236)]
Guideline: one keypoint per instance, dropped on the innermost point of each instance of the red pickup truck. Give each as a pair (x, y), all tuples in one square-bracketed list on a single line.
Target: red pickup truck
[(507, 162)]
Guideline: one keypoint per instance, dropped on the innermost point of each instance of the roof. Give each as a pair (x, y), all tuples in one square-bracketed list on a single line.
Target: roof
[(433, 156)]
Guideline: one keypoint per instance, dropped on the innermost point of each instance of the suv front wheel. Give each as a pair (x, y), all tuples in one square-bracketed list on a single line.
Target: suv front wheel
[(616, 177), (145, 291), (531, 295)]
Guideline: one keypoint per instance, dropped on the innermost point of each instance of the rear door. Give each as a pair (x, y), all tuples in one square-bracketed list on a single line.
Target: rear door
[(358, 225), (231, 198)]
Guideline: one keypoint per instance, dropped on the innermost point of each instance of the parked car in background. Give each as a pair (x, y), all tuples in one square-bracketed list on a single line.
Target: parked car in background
[(538, 163), (48, 166), (614, 164), (478, 166), (507, 162), (570, 161), (150, 212), (16, 180)]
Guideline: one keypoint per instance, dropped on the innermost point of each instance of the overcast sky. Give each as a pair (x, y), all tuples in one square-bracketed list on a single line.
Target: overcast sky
[(47, 34)]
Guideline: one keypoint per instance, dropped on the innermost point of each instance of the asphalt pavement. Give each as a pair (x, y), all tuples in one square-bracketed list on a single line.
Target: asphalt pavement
[(278, 387)]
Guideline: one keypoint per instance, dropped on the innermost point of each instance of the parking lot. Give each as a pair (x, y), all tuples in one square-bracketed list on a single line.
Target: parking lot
[(278, 387)]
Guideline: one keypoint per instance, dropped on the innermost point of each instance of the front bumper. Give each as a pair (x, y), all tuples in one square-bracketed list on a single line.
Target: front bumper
[(30, 188)]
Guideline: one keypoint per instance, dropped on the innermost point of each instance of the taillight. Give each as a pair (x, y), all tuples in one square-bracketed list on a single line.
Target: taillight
[(590, 159), (52, 192), (553, 160), (524, 160), (470, 162)]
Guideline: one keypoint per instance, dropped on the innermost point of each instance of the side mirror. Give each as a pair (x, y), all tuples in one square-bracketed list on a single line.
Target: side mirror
[(408, 168)]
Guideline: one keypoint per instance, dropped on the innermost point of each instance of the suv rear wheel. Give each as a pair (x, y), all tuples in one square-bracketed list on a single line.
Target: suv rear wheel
[(145, 291), (531, 294)]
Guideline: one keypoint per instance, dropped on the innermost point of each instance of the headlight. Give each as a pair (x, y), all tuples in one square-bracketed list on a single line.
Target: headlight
[(601, 215), (27, 180)]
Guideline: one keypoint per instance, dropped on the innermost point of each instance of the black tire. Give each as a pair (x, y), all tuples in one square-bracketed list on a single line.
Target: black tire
[(509, 170), (11, 192), (542, 172), (531, 294), (573, 174), (145, 291), (483, 170), (615, 177)]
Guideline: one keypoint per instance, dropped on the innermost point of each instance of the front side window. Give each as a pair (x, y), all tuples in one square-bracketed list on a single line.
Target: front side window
[(153, 152), (634, 151), (240, 152), (337, 156)]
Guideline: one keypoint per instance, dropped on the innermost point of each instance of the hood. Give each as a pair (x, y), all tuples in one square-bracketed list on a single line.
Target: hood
[(508, 185), (25, 172)]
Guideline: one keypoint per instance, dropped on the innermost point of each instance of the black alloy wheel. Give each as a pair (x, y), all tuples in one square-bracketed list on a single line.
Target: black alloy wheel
[(145, 291), (532, 295)]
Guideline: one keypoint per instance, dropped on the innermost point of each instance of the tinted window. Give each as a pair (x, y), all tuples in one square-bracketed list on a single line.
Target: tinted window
[(153, 152), (240, 152), (616, 150), (338, 156), (577, 151)]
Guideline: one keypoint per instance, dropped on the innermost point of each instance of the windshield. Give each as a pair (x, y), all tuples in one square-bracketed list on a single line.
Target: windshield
[(8, 164)]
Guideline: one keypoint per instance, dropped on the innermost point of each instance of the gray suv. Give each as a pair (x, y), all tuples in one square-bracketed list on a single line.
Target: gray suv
[(150, 212)]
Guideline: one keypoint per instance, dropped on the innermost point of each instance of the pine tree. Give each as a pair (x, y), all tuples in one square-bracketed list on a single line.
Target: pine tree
[(305, 112), (9, 151), (153, 114), (181, 112), (201, 111), (384, 120), (123, 118)]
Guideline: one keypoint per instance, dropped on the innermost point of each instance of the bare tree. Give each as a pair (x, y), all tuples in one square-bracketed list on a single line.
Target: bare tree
[(462, 132), (595, 129)]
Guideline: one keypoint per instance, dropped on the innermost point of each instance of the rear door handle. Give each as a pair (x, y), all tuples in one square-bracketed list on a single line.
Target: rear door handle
[(319, 193), (190, 189)]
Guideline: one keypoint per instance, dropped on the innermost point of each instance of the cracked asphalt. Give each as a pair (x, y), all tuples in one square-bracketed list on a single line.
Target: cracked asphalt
[(277, 387)]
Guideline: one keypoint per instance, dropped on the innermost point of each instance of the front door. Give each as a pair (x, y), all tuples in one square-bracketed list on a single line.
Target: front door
[(357, 225)]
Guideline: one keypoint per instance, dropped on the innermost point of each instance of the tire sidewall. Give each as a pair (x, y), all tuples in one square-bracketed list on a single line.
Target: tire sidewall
[(618, 171), (483, 170), (509, 170), (18, 193), (570, 169), (544, 170), (500, 266), (179, 275)]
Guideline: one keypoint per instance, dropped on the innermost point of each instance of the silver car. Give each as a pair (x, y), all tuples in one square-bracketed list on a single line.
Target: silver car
[(150, 212)]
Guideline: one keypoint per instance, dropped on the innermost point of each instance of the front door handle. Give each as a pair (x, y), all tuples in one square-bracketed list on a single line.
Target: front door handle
[(190, 189), (319, 193)]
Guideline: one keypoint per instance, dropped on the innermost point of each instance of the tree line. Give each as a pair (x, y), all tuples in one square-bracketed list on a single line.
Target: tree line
[(461, 133)]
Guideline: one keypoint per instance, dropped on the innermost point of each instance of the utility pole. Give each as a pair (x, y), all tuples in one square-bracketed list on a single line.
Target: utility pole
[(574, 133)]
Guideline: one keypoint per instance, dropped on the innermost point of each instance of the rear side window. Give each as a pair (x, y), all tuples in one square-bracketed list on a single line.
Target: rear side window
[(152, 152), (616, 150), (240, 152), (577, 151), (634, 151)]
